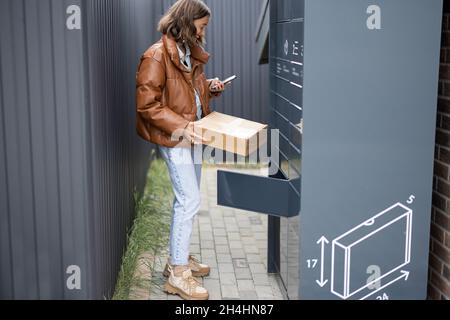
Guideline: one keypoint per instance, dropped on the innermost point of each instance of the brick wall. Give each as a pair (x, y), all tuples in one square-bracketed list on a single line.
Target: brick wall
[(439, 272)]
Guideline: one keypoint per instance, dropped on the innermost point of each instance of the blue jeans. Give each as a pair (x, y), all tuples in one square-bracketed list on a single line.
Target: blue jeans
[(185, 176)]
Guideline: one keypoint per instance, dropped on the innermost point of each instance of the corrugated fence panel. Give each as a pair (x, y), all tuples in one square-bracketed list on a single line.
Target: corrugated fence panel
[(18, 153), (120, 45), (45, 153), (70, 155), (232, 44), (6, 275), (119, 31), (69, 90)]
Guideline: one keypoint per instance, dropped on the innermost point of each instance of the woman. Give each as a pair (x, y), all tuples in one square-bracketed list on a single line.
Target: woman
[(173, 93)]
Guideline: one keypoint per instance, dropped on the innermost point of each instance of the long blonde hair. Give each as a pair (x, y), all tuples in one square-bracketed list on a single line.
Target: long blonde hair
[(179, 21)]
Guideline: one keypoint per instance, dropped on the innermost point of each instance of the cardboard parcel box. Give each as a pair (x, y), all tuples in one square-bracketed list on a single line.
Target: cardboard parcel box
[(232, 134)]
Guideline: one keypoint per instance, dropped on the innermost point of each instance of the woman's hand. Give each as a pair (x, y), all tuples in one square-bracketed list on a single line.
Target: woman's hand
[(216, 86), (190, 134)]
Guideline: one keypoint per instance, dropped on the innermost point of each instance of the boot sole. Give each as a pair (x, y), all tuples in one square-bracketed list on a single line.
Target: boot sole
[(173, 290), (194, 274)]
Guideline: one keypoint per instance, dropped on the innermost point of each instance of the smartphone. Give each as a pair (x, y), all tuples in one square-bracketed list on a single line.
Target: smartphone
[(225, 82), (228, 80)]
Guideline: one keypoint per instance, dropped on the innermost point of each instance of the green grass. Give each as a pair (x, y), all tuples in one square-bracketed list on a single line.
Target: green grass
[(150, 230)]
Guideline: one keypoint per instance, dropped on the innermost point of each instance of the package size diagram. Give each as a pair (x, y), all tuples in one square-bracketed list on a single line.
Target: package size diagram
[(382, 243)]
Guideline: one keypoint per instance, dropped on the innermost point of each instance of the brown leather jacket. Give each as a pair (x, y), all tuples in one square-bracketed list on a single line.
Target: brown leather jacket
[(165, 98)]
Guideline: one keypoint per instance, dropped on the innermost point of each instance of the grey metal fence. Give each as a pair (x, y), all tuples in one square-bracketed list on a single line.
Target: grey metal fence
[(70, 157)]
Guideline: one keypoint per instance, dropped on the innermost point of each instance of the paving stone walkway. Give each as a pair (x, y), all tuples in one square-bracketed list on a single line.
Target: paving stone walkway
[(234, 243)]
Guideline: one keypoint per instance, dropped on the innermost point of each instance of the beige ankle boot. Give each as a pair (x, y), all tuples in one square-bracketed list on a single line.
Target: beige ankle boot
[(182, 283), (198, 269)]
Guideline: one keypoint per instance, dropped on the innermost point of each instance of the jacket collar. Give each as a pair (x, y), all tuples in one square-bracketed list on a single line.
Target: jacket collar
[(198, 54)]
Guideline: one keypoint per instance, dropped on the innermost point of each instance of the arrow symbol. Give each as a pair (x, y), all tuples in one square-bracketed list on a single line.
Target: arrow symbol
[(404, 274), (322, 241)]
